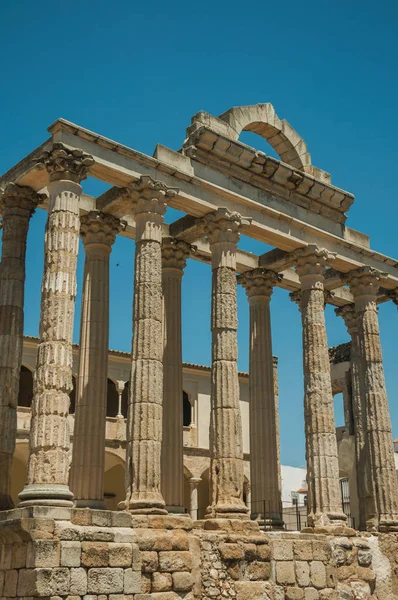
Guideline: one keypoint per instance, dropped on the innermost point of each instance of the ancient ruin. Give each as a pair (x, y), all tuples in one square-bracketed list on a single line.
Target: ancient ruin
[(61, 541)]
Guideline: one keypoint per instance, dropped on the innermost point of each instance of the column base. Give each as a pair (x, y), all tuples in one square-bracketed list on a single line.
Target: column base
[(46, 494), (387, 525), (139, 507), (6, 502), (227, 511), (176, 510), (85, 503)]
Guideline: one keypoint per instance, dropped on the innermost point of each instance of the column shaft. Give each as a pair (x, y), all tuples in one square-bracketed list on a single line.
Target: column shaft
[(364, 285), (226, 443), (174, 254), (144, 428), (324, 498), (365, 495), (48, 466), (264, 430), (18, 204), (87, 471), (193, 488)]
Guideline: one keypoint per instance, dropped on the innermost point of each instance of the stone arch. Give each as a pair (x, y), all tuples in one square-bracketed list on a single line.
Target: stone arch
[(262, 119), (114, 479)]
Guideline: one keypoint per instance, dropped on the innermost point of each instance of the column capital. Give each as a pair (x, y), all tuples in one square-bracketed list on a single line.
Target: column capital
[(259, 282), (364, 284), (99, 228), (297, 295), (16, 197), (349, 316), (63, 163), (311, 263), (224, 226), (150, 195), (195, 481), (175, 253)]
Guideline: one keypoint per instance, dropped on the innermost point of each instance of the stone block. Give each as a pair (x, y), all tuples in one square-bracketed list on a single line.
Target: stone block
[(182, 581), (231, 552), (302, 550), (136, 562), (95, 554), (339, 556), (294, 593), (263, 552), (43, 553), (51, 582), (2, 576), (161, 582), (146, 580), (311, 594), (285, 572), (78, 581), (282, 549), (18, 560), (250, 551), (318, 574), (5, 557), (251, 590), (345, 572), (257, 570), (70, 554), (169, 522), (122, 535), (120, 555), (132, 581), (121, 519), (330, 576), (164, 596), (10, 583), (150, 561), (175, 561), (26, 583), (81, 516), (105, 581), (97, 534), (121, 597), (330, 594), (101, 518), (365, 573), (321, 550), (364, 558), (302, 569), (361, 590)]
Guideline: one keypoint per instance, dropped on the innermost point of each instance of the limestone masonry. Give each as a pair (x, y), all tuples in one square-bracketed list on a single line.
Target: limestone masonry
[(61, 541)]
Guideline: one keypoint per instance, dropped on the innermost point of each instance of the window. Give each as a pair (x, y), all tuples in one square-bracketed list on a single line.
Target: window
[(186, 410)]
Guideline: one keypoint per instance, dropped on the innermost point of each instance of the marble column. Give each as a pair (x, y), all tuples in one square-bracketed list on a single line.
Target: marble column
[(48, 466), (277, 421), (324, 498), (174, 256), (17, 206), (350, 317), (264, 440), (98, 232), (193, 497), (226, 444), (364, 284), (144, 426)]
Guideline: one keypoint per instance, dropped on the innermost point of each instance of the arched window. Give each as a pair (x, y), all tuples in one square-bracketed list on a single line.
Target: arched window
[(125, 399), (186, 410), (112, 402), (25, 393)]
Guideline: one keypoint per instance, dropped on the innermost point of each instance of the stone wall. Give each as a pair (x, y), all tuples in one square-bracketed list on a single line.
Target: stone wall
[(82, 554)]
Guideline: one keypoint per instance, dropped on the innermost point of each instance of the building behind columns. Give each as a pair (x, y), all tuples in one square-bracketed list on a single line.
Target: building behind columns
[(111, 511)]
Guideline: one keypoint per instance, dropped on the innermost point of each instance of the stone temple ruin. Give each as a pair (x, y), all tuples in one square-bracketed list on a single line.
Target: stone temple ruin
[(60, 542)]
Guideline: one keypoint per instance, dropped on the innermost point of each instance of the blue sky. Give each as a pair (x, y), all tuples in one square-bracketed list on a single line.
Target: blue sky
[(137, 72)]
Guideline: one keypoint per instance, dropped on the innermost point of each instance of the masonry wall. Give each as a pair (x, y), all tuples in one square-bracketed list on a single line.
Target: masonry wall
[(103, 555)]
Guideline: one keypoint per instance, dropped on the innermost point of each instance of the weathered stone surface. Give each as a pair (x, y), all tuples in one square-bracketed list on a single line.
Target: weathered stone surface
[(285, 572), (120, 555), (318, 574), (132, 581), (105, 581), (175, 561), (251, 590), (95, 554), (70, 554), (302, 573), (182, 582), (231, 552), (258, 570), (282, 550), (161, 582)]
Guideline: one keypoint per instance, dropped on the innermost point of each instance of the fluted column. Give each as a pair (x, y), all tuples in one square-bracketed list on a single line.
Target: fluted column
[(17, 206), (144, 427), (365, 495), (324, 498), (48, 466), (174, 255), (364, 284), (226, 445), (264, 430), (98, 232), (277, 420), (193, 497)]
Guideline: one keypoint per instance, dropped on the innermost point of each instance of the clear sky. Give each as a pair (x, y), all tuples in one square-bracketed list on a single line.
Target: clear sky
[(136, 72)]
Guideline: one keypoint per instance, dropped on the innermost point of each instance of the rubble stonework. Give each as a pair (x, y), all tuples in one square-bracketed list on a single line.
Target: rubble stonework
[(51, 547)]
